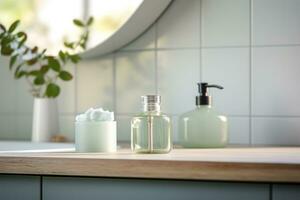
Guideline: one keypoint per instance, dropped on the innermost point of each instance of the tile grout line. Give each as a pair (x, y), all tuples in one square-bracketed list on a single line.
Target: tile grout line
[(212, 47), (250, 68), (3, 114), (15, 110), (234, 116), (76, 88), (114, 82), (200, 44), (85, 10), (155, 59)]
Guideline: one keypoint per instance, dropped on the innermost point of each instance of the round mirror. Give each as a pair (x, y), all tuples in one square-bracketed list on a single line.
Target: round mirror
[(50, 22)]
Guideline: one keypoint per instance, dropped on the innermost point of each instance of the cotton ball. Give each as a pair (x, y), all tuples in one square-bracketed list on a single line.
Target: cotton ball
[(99, 109), (111, 116), (107, 116), (96, 115), (88, 113), (81, 118)]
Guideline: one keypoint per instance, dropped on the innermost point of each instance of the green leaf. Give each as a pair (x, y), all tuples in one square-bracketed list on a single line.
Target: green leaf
[(69, 45), (26, 51), (22, 34), (35, 49), (83, 45), (75, 58), (90, 21), (34, 73), (44, 69), (54, 64), (6, 50), (77, 22), (1, 35), (32, 61), (52, 90), (62, 56), (20, 74), (17, 71), (44, 51), (85, 37), (3, 28), (6, 40), (13, 26), (66, 76), (39, 80), (12, 61)]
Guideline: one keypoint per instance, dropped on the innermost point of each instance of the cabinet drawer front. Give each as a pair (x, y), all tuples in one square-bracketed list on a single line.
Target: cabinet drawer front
[(286, 192), (19, 187), (61, 188)]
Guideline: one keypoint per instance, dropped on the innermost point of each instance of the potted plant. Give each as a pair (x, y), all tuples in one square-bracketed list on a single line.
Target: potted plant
[(42, 73)]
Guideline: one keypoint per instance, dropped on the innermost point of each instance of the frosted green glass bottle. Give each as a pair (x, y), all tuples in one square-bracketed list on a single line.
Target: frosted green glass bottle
[(151, 129), (203, 127)]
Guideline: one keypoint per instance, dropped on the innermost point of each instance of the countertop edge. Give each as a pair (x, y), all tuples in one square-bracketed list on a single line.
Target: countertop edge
[(152, 169)]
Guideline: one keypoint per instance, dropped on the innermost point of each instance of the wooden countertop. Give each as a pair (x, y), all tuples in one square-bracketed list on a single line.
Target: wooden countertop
[(281, 164)]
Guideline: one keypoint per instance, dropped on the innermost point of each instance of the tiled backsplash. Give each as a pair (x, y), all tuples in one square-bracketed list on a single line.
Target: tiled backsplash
[(251, 47)]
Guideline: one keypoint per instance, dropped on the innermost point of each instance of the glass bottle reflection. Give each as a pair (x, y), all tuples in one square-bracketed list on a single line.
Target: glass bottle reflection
[(151, 129)]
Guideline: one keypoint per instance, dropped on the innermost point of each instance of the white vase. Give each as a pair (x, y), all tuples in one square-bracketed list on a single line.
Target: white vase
[(45, 119)]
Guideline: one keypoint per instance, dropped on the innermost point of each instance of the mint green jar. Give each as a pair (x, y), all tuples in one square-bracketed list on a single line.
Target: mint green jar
[(151, 129), (203, 127)]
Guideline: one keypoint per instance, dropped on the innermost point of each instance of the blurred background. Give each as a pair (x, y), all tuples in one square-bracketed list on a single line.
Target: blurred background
[(252, 48)]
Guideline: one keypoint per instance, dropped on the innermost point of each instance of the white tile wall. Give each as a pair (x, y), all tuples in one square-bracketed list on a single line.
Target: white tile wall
[(179, 27), (276, 131), (145, 41), (239, 130), (131, 81), (178, 74), (276, 75), (24, 100), (66, 99), (7, 88), (23, 126), (251, 47), (95, 84), (123, 127), (228, 67), (8, 127), (225, 22), (66, 126), (276, 22)]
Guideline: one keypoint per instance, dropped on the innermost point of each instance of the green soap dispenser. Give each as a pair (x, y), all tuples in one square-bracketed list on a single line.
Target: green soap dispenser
[(203, 127)]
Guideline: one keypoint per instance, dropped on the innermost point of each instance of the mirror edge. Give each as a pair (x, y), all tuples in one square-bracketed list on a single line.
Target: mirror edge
[(144, 16)]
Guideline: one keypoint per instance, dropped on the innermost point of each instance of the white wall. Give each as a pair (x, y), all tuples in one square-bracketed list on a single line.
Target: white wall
[(251, 47)]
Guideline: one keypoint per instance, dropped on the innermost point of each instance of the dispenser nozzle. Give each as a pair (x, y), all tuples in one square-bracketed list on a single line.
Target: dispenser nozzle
[(204, 99), (202, 88)]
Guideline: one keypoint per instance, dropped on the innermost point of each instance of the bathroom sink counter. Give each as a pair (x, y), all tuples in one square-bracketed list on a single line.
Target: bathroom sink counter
[(269, 164)]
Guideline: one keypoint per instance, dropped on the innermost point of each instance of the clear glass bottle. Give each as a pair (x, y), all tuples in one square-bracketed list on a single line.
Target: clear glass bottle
[(151, 129)]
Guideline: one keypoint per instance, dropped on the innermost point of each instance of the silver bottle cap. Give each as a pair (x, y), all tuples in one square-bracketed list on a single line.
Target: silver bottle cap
[(151, 102)]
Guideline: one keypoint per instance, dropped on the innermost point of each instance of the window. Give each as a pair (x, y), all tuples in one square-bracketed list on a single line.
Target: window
[(49, 22)]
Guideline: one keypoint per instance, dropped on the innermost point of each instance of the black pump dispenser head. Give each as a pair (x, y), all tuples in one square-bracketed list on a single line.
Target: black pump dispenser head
[(203, 98)]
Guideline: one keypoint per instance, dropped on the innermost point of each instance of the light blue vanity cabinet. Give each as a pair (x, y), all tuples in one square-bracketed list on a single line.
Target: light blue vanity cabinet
[(19, 187), (286, 192), (62, 188), (26, 187)]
